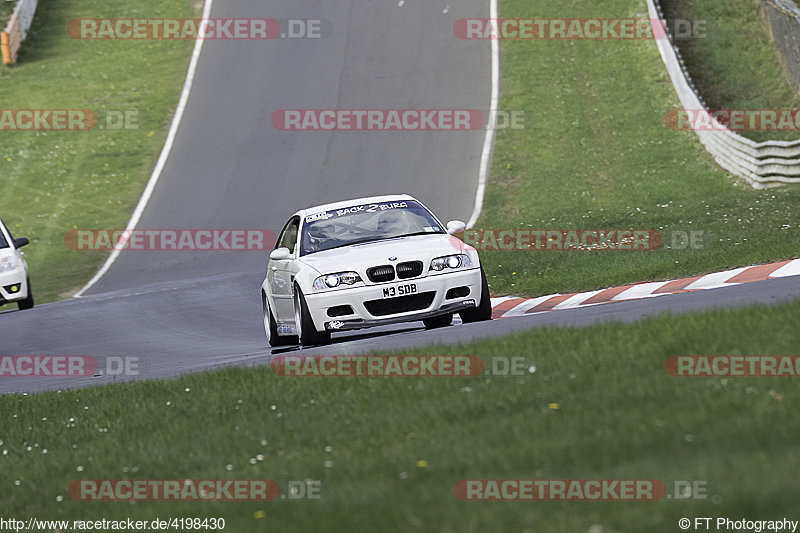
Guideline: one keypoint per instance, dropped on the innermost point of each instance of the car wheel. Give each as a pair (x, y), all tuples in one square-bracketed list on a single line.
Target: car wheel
[(438, 321), (271, 327), (484, 309), (306, 332), (27, 303)]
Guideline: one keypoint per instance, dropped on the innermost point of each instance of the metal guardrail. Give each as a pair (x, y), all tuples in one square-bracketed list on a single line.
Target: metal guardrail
[(763, 164), (16, 30)]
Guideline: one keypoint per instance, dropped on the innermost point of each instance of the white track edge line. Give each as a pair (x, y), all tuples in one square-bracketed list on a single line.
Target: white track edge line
[(162, 159), (488, 140)]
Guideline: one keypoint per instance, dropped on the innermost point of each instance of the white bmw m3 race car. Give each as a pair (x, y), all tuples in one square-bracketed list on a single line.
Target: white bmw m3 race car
[(15, 283), (369, 262)]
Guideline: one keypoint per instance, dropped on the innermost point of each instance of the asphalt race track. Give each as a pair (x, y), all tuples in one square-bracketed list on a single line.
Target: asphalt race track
[(181, 312), (176, 328), (229, 168)]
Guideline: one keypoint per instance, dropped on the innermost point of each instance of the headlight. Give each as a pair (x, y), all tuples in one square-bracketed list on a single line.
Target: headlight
[(331, 281), (7, 263), (450, 261)]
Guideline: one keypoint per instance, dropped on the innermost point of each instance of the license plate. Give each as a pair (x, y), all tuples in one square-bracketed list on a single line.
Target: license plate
[(399, 290)]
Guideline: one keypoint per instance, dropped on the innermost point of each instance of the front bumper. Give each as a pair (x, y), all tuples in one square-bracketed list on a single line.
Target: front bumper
[(356, 297), (10, 280)]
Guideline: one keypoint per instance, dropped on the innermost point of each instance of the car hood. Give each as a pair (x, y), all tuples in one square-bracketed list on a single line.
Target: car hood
[(360, 257), (6, 252)]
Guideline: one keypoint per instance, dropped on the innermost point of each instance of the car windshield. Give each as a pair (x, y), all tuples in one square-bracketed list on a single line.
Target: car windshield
[(365, 223), (3, 241)]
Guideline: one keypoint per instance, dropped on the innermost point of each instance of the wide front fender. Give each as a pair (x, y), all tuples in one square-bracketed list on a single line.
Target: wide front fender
[(305, 278)]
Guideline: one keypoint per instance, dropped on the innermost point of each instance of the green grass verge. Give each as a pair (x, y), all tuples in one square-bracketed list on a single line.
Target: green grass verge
[(56, 181), (736, 66), (595, 153), (6, 9), (397, 445)]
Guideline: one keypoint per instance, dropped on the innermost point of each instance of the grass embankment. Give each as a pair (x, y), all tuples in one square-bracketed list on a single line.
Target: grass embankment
[(595, 153), (388, 450), (53, 182), (736, 66)]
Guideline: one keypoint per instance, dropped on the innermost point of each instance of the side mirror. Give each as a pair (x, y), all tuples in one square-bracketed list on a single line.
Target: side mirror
[(19, 242), (455, 226), (279, 254)]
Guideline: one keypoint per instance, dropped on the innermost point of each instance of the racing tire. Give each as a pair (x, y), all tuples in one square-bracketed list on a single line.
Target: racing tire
[(271, 327), (484, 309), (27, 303), (307, 334)]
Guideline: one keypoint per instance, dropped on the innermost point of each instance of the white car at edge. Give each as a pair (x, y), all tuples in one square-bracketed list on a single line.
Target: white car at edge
[(15, 283), (368, 262)]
